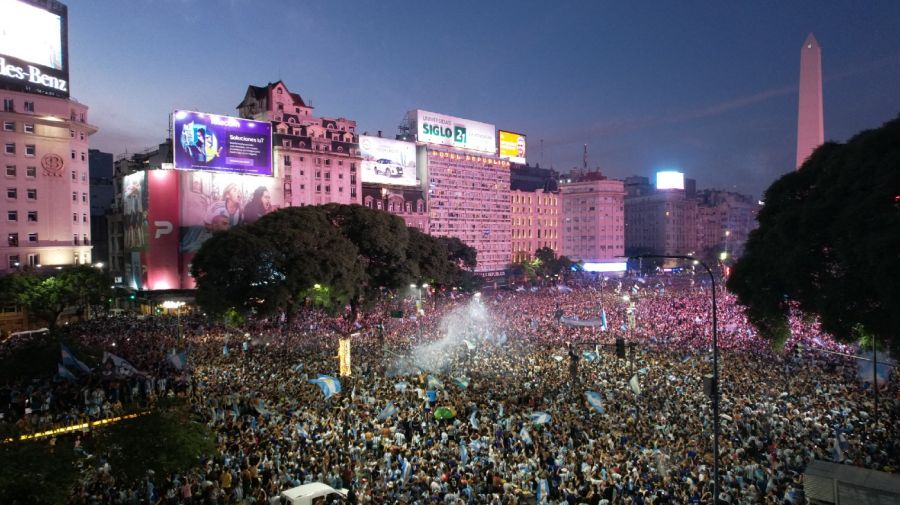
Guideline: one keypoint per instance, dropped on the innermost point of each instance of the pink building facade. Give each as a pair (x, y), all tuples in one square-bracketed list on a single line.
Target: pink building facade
[(468, 197), (664, 222), (316, 157), (724, 222), (535, 222), (46, 207), (593, 225), (404, 202)]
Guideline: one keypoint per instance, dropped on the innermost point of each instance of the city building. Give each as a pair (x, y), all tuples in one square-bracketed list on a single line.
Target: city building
[(662, 222), (535, 217), (390, 179), (810, 120), (316, 157), (593, 218), (102, 194), (724, 222), (404, 202)]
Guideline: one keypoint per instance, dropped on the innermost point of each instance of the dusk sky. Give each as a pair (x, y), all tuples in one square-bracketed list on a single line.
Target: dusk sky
[(708, 88)]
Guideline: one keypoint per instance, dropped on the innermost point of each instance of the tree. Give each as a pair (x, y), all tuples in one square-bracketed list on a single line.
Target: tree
[(45, 296), (827, 241), (462, 254)]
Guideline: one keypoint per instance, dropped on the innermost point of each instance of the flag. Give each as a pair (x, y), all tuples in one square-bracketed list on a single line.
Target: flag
[(595, 401), (330, 385), (540, 417), (590, 355), (65, 373), (401, 386), (433, 382), (297, 368), (542, 493), (501, 339), (603, 325), (643, 371), (463, 452), (473, 420), (558, 357), (836, 453), (261, 407), (388, 410), (635, 385), (462, 382), (469, 345), (432, 395), (123, 367), (405, 469), (525, 436), (68, 358), (177, 359)]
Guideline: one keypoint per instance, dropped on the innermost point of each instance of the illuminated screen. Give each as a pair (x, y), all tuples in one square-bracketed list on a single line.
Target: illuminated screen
[(386, 161), (605, 267), (33, 47), (134, 202), (222, 143), (440, 129), (669, 180), (512, 147)]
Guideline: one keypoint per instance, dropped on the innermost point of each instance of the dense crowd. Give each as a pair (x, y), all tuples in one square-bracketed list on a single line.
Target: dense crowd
[(494, 361)]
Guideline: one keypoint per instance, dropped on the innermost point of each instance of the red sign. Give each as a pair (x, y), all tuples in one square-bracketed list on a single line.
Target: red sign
[(161, 258)]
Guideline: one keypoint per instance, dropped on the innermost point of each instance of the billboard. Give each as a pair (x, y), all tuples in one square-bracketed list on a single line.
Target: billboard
[(386, 161), (34, 49), (134, 202), (512, 147), (212, 202), (669, 179), (160, 262), (434, 128), (221, 143)]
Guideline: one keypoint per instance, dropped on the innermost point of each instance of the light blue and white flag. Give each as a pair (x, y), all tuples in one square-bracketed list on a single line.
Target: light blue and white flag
[(469, 345), (177, 359), (462, 382), (643, 371), (589, 356), (542, 493), (463, 452), (68, 358), (473, 419), (836, 455), (603, 325), (389, 410), (329, 385), (123, 367), (540, 417), (261, 407), (595, 401), (297, 368), (433, 382), (405, 469), (635, 385), (65, 373), (401, 386), (502, 339), (525, 436)]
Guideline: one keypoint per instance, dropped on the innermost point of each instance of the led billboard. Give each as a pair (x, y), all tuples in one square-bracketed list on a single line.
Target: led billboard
[(222, 143), (512, 147), (669, 180), (34, 52), (386, 161), (434, 128), (135, 211)]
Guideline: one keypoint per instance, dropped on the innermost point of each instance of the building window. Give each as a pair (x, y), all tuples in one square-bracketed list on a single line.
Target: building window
[(318, 188), (84, 218), (13, 261), (12, 193), (287, 160), (74, 196), (82, 156), (12, 215), (29, 128), (33, 238), (10, 170), (31, 193), (352, 167), (9, 126), (81, 135), (72, 132), (74, 175), (34, 260), (327, 163), (86, 241), (8, 105), (29, 106), (31, 172), (328, 189), (74, 217), (13, 239), (32, 216), (83, 176), (10, 148), (84, 198), (73, 155), (75, 241)]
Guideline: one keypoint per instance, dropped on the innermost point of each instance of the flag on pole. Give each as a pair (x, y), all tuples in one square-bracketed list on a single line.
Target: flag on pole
[(525, 436), (65, 373), (595, 401), (329, 385), (177, 359), (389, 410), (635, 385), (123, 367), (68, 358), (540, 417), (603, 325)]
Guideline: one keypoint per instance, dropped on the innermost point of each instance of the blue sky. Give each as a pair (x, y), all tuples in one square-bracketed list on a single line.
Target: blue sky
[(708, 88)]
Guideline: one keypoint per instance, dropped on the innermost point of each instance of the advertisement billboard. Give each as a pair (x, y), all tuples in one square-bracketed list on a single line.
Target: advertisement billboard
[(221, 143), (669, 179), (34, 49), (512, 147), (434, 128), (134, 202), (386, 161), (160, 262)]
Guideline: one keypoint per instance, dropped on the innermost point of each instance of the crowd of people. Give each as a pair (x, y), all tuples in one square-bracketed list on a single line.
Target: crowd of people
[(513, 377)]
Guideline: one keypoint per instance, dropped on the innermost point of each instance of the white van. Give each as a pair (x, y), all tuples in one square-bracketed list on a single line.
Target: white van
[(312, 493)]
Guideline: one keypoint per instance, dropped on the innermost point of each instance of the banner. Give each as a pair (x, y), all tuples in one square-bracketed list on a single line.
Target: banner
[(221, 143)]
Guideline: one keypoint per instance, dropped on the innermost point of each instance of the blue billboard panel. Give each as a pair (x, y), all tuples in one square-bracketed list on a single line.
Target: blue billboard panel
[(222, 143)]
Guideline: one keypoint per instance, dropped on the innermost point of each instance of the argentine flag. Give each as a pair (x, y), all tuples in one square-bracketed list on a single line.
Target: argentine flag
[(523, 434), (473, 420), (603, 325), (389, 410), (463, 452), (462, 382), (401, 386), (68, 358), (590, 356), (433, 382), (542, 493), (65, 373), (595, 401), (330, 385), (177, 359), (635, 385), (540, 417)]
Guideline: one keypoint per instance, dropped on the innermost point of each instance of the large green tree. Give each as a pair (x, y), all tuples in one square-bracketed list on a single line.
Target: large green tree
[(46, 294), (828, 240)]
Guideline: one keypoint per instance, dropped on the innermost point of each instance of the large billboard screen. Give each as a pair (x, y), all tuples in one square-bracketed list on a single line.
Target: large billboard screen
[(512, 147), (386, 161), (222, 143), (212, 202), (669, 179), (34, 53), (160, 262), (135, 211), (434, 128)]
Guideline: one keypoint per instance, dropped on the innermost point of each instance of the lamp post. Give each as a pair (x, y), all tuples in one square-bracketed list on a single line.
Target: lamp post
[(715, 380)]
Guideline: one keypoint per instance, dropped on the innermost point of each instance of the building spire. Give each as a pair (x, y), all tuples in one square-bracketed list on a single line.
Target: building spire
[(810, 118)]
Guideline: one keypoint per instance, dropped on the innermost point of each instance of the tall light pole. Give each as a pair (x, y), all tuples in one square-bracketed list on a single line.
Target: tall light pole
[(715, 380), (419, 311)]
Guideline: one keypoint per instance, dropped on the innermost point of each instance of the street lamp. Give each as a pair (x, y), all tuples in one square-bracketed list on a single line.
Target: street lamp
[(715, 342)]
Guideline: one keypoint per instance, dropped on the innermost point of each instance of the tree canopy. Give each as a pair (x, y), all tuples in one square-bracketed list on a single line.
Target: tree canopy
[(47, 294), (828, 240)]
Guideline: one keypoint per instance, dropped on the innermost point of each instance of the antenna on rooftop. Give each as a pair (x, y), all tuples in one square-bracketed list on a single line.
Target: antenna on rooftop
[(585, 159)]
